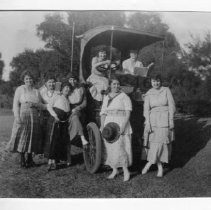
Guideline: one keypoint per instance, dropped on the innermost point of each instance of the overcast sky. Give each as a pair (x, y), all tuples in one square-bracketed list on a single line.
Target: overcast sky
[(18, 30)]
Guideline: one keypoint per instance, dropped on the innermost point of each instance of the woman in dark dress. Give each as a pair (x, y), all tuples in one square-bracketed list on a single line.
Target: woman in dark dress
[(78, 101), (58, 137)]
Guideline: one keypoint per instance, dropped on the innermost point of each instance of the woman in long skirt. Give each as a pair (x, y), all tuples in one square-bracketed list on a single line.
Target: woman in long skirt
[(117, 108), (26, 138), (58, 137), (78, 101), (47, 92), (159, 109)]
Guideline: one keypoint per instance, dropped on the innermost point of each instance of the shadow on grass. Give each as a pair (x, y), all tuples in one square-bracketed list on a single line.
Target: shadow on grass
[(191, 135)]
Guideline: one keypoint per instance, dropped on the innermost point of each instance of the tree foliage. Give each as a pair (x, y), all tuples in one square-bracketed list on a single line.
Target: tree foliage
[(39, 63), (182, 71), (1, 67)]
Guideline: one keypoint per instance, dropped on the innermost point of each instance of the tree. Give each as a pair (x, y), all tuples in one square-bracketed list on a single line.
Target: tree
[(58, 34), (198, 55), (1, 67), (152, 23), (39, 63), (198, 58)]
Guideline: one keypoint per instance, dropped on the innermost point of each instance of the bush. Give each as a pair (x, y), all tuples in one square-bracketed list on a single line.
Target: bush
[(6, 102), (195, 107)]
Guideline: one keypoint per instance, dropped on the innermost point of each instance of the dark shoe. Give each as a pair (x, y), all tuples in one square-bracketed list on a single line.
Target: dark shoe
[(30, 163), (23, 164), (22, 161), (51, 167)]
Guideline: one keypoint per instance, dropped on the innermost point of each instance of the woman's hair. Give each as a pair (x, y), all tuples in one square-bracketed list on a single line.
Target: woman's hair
[(112, 78), (106, 92), (26, 73), (156, 77), (64, 84), (74, 76), (50, 77), (102, 50)]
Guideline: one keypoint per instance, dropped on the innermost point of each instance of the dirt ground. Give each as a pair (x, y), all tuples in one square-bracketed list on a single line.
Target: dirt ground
[(188, 175)]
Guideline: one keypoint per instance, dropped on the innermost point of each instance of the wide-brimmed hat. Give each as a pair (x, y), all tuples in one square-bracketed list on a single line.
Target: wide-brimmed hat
[(111, 132)]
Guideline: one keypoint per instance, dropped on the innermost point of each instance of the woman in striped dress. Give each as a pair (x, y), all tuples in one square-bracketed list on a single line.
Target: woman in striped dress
[(26, 138)]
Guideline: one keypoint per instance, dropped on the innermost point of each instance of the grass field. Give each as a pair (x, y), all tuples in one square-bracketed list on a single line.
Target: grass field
[(189, 174)]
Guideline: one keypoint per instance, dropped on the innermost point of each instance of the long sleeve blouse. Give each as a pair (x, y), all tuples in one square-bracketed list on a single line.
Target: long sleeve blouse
[(78, 98), (159, 101), (58, 101), (22, 95)]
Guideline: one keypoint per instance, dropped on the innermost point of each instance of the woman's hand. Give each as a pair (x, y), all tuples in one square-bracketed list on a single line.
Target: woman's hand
[(34, 105), (122, 129), (74, 111), (56, 118), (108, 62), (149, 127), (171, 125), (101, 128)]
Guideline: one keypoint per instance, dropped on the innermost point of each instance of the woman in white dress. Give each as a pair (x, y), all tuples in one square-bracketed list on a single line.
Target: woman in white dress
[(98, 79), (159, 110), (26, 138), (117, 108)]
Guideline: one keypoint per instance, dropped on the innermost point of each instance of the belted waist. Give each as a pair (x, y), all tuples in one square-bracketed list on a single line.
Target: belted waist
[(116, 113), (160, 109), (27, 105)]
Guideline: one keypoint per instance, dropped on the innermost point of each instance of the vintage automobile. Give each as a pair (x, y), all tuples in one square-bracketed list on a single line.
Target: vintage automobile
[(122, 39)]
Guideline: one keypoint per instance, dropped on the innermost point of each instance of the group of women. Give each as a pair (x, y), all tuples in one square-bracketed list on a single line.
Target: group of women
[(57, 114), (46, 121)]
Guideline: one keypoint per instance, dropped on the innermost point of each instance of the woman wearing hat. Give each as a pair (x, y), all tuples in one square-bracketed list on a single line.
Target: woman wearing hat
[(26, 138), (159, 109), (115, 114), (77, 99), (59, 109)]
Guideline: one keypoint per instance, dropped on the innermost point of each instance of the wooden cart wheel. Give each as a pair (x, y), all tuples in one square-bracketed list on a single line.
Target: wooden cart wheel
[(93, 154)]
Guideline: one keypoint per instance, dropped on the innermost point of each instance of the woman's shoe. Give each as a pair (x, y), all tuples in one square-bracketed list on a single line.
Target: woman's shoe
[(23, 164), (160, 173), (113, 174), (22, 161), (146, 168), (160, 170), (144, 171), (51, 166), (126, 177), (68, 164)]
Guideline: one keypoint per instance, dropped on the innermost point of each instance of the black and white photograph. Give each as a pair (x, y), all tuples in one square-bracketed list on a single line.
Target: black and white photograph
[(105, 104)]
